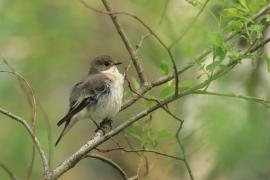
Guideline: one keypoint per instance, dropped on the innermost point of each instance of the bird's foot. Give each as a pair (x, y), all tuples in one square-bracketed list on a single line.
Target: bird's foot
[(104, 125)]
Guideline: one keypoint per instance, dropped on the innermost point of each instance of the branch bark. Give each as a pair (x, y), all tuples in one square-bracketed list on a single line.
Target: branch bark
[(139, 150), (145, 87), (99, 139), (29, 93), (8, 171), (111, 163), (34, 138), (134, 57)]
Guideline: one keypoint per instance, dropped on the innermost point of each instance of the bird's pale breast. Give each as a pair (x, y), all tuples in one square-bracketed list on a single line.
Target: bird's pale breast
[(109, 104)]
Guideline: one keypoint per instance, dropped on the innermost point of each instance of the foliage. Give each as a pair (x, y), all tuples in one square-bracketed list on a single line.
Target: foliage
[(51, 42)]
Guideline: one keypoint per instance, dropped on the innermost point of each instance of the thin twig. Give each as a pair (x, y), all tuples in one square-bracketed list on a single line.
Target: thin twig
[(263, 11), (49, 132), (28, 90), (139, 150), (167, 78), (163, 12), (154, 100), (99, 139), (111, 163), (259, 46), (177, 133), (264, 102), (142, 158), (205, 53), (32, 161), (133, 55), (8, 171), (34, 138), (33, 101), (139, 45), (131, 50), (177, 136), (129, 47), (180, 37)]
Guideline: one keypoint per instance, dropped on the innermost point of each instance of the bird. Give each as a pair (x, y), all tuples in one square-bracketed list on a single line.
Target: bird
[(98, 96)]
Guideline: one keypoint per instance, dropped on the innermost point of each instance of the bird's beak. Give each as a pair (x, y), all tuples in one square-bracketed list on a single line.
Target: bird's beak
[(117, 63)]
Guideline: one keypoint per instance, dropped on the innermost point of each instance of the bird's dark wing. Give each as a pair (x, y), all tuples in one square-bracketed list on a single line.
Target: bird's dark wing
[(83, 94)]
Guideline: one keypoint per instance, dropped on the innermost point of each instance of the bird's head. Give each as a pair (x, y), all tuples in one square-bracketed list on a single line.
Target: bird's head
[(103, 63)]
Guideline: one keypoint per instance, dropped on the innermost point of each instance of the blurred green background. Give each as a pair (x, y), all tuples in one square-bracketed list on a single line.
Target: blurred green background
[(52, 42)]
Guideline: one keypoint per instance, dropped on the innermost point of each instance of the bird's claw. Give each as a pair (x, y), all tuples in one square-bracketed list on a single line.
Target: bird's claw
[(104, 125)]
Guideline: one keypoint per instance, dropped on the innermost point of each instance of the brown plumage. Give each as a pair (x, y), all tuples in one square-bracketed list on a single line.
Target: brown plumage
[(90, 92)]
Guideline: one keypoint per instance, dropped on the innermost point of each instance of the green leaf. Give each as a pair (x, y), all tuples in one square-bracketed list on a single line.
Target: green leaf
[(213, 65), (164, 133), (254, 61), (199, 64), (218, 39), (134, 131), (135, 83), (244, 4), (168, 90), (148, 104), (135, 135), (164, 67), (235, 55), (193, 2), (256, 30), (268, 18), (234, 25), (189, 83), (219, 53), (127, 93), (153, 142), (230, 12), (219, 47), (267, 59)]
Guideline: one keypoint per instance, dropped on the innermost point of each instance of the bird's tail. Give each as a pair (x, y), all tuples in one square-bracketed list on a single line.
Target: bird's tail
[(66, 119), (70, 114)]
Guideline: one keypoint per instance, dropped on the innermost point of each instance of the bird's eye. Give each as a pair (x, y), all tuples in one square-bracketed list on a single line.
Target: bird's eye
[(106, 63)]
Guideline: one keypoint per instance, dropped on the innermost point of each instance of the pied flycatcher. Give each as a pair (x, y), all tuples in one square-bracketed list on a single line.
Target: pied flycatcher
[(97, 97)]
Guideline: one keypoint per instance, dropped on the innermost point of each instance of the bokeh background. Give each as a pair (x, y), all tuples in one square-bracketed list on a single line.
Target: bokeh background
[(52, 42)]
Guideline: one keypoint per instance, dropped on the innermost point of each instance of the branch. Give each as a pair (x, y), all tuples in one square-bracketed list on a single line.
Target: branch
[(113, 16), (34, 138), (32, 101), (129, 47), (167, 78), (142, 158), (263, 11), (49, 132), (139, 45), (252, 50), (28, 90), (153, 100), (231, 95), (139, 150), (177, 135), (8, 171), (111, 163), (189, 26), (163, 12), (105, 2), (99, 139)]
